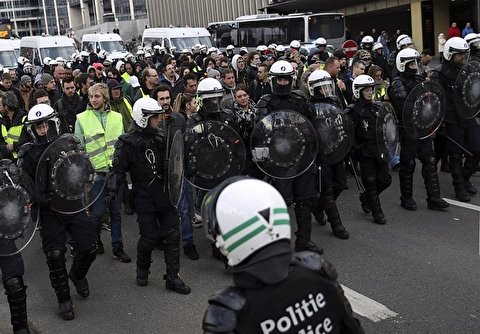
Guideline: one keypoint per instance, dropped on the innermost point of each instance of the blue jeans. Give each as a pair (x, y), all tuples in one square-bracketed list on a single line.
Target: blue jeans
[(185, 209), (98, 208)]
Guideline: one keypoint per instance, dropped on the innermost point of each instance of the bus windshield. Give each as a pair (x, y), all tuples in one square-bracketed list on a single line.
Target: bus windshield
[(61, 51), (112, 46), (282, 31), (326, 26), (8, 58)]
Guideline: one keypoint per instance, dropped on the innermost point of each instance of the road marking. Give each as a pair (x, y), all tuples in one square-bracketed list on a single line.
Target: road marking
[(462, 204), (471, 207), (367, 307)]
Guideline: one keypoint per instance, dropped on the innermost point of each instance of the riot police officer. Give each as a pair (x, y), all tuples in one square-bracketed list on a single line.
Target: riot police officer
[(15, 193), (473, 41), (333, 179), (465, 132), (403, 41), (43, 126), (274, 291), (300, 190), (142, 153), (373, 167), (409, 75)]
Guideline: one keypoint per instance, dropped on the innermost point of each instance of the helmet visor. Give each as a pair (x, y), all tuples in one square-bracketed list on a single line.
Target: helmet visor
[(323, 89), (44, 131)]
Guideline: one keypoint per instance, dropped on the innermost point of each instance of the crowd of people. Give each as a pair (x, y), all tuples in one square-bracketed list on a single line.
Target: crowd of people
[(124, 114)]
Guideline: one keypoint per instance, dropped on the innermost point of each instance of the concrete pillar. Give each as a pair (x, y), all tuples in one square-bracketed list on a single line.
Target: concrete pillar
[(417, 24), (441, 19)]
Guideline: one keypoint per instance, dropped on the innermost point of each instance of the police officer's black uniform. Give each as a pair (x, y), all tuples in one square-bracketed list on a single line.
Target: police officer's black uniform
[(374, 170), (301, 189), (308, 300), (401, 87), (333, 182), (53, 231), (465, 132), (142, 153)]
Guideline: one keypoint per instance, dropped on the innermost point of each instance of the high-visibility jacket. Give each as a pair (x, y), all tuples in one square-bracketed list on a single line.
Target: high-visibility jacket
[(99, 141), (12, 135)]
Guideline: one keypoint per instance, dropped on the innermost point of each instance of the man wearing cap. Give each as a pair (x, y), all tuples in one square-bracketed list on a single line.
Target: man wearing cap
[(120, 103), (49, 85), (25, 88), (99, 75), (127, 90), (135, 84)]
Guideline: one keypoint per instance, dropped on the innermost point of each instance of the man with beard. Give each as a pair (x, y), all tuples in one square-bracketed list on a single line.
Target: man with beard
[(148, 82), (25, 88), (120, 103), (99, 127), (70, 104)]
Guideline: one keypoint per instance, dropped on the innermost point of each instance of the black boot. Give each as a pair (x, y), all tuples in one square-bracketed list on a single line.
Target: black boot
[(406, 184), (172, 260), (376, 207), (469, 168), (17, 300), (330, 208), (81, 264), (458, 180), (59, 280), (364, 203), (318, 213), (432, 186), (145, 247)]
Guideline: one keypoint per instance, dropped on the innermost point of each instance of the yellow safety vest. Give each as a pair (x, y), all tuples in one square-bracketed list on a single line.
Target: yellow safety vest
[(129, 106), (12, 135), (379, 92), (100, 142), (126, 77)]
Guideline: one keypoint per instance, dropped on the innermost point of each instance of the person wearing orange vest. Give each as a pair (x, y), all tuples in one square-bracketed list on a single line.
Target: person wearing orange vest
[(98, 128), (11, 125)]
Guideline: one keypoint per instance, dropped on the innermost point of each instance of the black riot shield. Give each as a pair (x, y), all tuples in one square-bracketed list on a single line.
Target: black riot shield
[(65, 175), (424, 110), (335, 132), (386, 131), (18, 222), (214, 151), (466, 93), (175, 169), (284, 144)]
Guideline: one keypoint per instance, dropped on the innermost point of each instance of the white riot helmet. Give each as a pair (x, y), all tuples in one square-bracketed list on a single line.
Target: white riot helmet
[(473, 41), (27, 68), (42, 117), (75, 56), (262, 48), (173, 49), (53, 63), (102, 54), (272, 46), (321, 85), (157, 47), (367, 43), (148, 55), (376, 46), (145, 108), (295, 44), (281, 69), (321, 41), (456, 45), (210, 92), (403, 41), (405, 57), (280, 48), (22, 60), (60, 61), (84, 54), (47, 60), (243, 215), (140, 52), (360, 82), (230, 47)]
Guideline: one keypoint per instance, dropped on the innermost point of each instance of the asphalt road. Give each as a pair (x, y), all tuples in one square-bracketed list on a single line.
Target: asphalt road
[(423, 267)]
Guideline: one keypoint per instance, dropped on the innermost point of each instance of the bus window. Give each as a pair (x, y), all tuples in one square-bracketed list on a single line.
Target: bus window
[(326, 26), (282, 31)]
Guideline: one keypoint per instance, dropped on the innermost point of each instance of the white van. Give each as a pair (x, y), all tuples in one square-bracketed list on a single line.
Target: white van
[(112, 43), (36, 48), (8, 57), (181, 38)]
